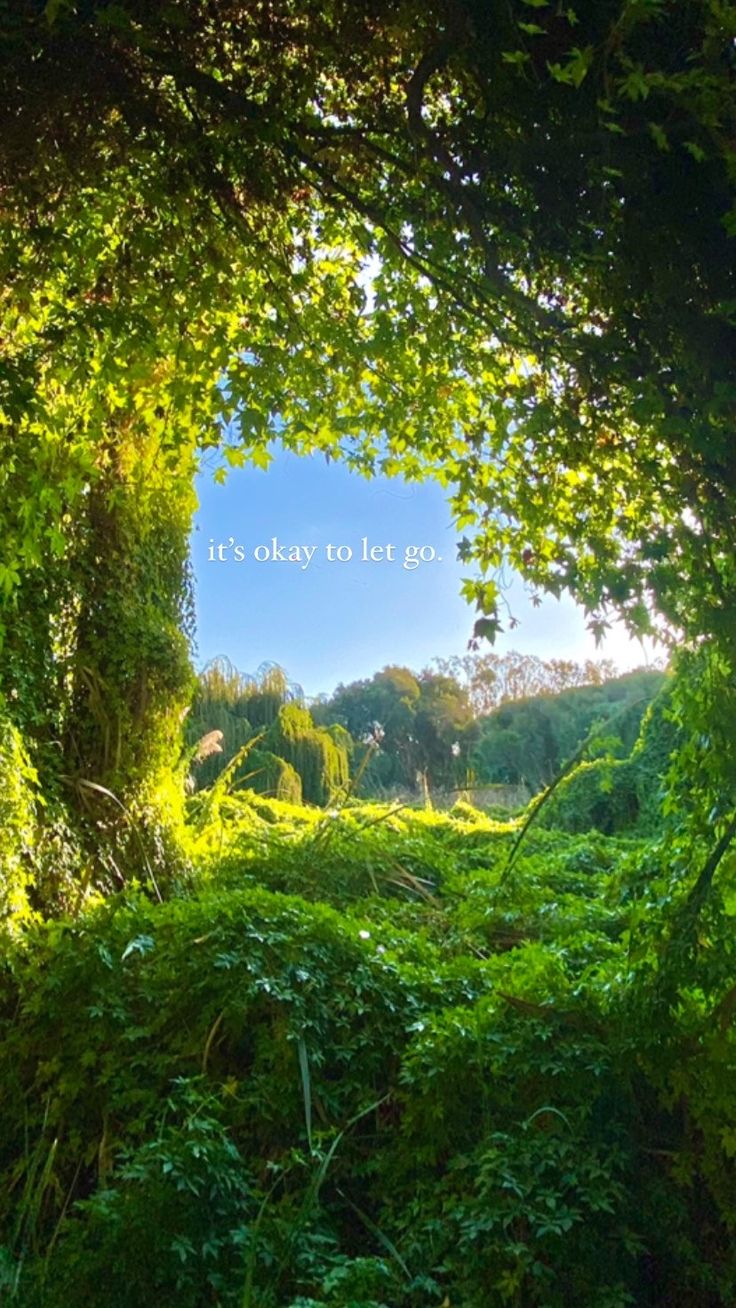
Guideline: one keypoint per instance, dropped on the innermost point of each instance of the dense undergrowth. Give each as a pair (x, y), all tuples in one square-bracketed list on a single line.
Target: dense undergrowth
[(369, 1059)]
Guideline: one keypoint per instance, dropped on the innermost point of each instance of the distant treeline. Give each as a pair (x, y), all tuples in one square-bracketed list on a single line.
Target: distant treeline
[(464, 722)]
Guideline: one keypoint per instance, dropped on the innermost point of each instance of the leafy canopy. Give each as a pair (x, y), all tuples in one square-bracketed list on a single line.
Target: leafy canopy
[(491, 241)]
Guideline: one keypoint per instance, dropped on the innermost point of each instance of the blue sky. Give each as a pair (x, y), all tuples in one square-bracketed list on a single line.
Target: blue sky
[(330, 621)]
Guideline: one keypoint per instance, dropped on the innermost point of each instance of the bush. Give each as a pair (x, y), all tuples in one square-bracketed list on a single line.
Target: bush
[(617, 795), (601, 795)]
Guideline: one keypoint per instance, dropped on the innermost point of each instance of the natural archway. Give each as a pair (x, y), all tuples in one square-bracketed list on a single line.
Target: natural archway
[(491, 244), (363, 1054)]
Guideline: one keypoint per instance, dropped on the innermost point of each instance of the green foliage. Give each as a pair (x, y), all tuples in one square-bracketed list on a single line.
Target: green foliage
[(413, 722), (530, 740), (613, 794), (295, 759), (491, 244), (462, 809), (492, 679), (424, 724), (271, 775), (95, 670), (472, 246), (532, 1180), (170, 1225), (601, 794), (544, 211), (362, 1066), (18, 824), (313, 754)]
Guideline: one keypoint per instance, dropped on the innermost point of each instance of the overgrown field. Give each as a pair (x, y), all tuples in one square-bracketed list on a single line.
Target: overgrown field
[(365, 1059)]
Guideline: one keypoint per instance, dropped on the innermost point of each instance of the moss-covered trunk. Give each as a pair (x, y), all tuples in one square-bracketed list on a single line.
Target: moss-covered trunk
[(96, 673)]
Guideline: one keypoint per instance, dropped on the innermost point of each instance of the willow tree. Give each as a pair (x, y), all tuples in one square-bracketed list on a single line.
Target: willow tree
[(487, 241), (236, 706), (290, 757)]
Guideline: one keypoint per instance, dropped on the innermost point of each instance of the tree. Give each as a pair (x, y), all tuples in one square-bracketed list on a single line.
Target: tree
[(442, 719), (416, 721), (380, 712), (492, 679), (290, 758), (418, 725)]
